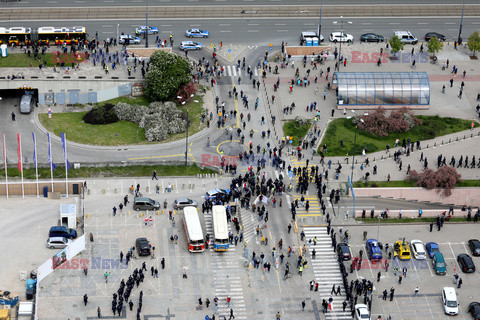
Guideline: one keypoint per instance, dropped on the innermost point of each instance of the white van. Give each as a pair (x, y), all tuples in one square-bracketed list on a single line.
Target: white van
[(450, 302), (406, 37), (26, 103)]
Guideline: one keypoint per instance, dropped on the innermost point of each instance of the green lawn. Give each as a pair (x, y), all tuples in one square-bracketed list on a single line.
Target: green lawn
[(344, 129), (292, 129), (21, 60), (94, 172), (121, 132), (407, 184), (139, 101), (114, 134)]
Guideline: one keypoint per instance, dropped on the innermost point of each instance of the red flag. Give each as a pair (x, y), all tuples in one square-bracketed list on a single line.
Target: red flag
[(19, 151)]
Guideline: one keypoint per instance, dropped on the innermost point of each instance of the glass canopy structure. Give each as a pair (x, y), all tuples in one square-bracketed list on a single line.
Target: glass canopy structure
[(382, 88)]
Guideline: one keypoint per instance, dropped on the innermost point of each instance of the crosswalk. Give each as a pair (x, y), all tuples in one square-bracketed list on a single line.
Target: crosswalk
[(233, 71), (248, 224), (226, 277), (327, 271), (314, 209)]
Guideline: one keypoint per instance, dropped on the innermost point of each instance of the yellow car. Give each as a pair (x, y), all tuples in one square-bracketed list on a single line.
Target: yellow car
[(402, 250)]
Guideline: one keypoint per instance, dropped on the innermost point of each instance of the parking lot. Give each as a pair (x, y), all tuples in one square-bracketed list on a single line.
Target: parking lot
[(452, 241)]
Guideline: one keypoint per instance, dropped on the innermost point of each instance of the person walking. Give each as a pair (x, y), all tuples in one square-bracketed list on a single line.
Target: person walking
[(99, 312), (400, 277), (385, 294), (303, 305), (455, 278), (231, 315), (392, 293), (13, 116), (154, 176), (416, 292), (460, 282), (85, 299), (278, 315)]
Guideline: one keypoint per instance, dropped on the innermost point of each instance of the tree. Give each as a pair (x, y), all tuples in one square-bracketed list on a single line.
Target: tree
[(167, 73), (474, 42), (396, 44), (444, 178), (434, 45)]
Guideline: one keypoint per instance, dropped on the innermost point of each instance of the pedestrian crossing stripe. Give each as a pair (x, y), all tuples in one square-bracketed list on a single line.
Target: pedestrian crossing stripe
[(231, 71), (310, 215)]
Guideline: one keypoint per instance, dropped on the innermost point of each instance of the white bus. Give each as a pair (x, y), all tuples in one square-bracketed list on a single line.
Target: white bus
[(193, 230), (220, 229)]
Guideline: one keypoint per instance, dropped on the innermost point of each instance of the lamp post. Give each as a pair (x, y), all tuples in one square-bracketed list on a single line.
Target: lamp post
[(341, 35), (320, 24), (186, 135), (146, 23), (461, 24)]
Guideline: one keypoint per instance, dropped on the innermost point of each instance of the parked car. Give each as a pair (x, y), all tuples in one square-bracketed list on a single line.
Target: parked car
[(432, 248), (439, 265), (474, 245), (196, 33), (402, 250), (406, 37), (450, 302), (431, 35), (143, 246), (374, 251), (143, 29), (361, 312), (184, 202), (128, 39), (371, 37), (474, 310), (214, 193), (141, 203), (343, 251), (190, 45), (418, 250), (341, 37), (62, 231), (58, 242), (466, 263)]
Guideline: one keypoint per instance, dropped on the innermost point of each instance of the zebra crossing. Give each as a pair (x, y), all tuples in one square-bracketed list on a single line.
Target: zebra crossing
[(326, 270), (315, 209), (248, 224), (233, 71), (226, 277)]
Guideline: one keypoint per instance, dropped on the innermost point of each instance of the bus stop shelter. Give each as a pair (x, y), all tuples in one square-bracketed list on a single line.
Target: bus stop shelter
[(370, 89)]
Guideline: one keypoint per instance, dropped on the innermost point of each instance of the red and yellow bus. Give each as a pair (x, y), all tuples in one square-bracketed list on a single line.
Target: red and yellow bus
[(60, 35), (193, 230), (15, 36)]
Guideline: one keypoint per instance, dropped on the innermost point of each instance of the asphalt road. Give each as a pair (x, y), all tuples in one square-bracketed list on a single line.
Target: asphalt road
[(138, 3), (264, 31)]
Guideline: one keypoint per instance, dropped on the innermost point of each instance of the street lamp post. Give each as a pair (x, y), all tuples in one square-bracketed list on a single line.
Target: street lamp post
[(118, 25), (146, 23), (341, 40), (461, 24), (186, 136), (320, 24)]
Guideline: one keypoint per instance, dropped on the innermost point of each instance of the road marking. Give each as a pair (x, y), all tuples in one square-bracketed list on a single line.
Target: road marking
[(224, 24), (394, 23), (165, 25), (252, 30), (280, 24), (282, 30), (422, 23), (107, 26), (225, 30), (366, 23), (252, 24)]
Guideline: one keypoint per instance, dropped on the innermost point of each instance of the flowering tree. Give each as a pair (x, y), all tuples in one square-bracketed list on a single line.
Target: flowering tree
[(167, 73), (444, 178), (185, 92), (379, 124)]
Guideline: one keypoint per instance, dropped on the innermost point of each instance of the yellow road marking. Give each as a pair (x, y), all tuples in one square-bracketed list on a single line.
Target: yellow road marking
[(310, 215)]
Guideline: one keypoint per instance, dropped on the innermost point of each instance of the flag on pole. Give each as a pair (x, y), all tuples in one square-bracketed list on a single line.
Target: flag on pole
[(34, 150), (4, 153), (64, 145), (52, 165), (19, 152)]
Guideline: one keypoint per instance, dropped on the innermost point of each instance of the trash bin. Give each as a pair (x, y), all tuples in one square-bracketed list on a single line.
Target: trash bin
[(45, 191), (29, 293), (4, 50)]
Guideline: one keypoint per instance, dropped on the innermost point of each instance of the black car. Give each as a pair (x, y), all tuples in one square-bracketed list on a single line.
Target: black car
[(371, 37), (143, 246), (474, 245), (431, 35), (343, 251), (474, 310), (466, 263)]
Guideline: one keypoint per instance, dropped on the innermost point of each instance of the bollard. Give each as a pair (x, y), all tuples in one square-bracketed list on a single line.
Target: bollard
[(464, 136), (163, 211), (435, 144), (158, 212), (88, 215), (471, 136), (373, 159), (141, 214), (103, 191), (457, 138), (442, 142), (115, 190), (449, 140), (427, 146)]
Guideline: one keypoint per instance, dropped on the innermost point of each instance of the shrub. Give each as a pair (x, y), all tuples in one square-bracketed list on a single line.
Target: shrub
[(186, 91), (101, 115), (444, 178), (159, 119), (379, 124)]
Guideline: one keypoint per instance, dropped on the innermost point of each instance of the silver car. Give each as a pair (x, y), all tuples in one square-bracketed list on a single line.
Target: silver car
[(58, 242), (184, 202)]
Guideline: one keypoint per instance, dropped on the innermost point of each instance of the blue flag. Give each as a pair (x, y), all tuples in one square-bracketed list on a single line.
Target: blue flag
[(52, 165), (34, 150), (64, 145)]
